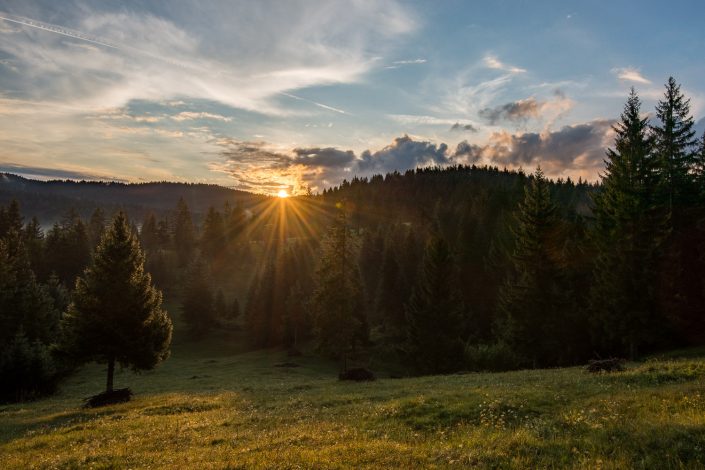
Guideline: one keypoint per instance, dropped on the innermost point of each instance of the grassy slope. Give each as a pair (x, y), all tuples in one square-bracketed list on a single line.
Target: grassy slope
[(211, 406)]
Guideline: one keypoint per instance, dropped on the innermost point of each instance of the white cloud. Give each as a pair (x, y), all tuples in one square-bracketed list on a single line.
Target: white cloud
[(630, 74), (251, 54), (191, 115), (492, 62)]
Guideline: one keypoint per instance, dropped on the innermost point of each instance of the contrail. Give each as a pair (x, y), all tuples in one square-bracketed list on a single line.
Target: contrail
[(72, 33), (320, 105), (56, 29)]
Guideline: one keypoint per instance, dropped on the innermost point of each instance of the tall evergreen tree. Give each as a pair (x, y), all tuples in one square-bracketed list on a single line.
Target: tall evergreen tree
[(533, 301), (434, 315), (674, 143), (627, 233), (116, 315), (680, 294), (337, 302)]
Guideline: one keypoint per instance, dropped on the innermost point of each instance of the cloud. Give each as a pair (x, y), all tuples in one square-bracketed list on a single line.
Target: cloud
[(463, 127), (530, 108), (467, 153), (577, 148), (404, 153), (191, 115), (53, 173), (325, 157), (409, 62), (422, 120), (492, 62), (630, 74), (515, 111), (245, 58)]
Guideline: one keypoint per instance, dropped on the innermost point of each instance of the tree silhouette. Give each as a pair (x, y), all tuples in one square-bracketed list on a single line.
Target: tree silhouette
[(116, 315)]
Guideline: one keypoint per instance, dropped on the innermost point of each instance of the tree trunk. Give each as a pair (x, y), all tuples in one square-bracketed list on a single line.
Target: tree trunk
[(111, 371)]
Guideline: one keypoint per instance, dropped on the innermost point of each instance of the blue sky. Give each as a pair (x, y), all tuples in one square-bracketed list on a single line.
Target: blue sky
[(268, 95)]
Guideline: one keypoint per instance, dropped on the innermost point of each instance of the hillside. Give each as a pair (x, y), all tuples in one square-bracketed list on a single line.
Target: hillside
[(212, 406), (47, 200)]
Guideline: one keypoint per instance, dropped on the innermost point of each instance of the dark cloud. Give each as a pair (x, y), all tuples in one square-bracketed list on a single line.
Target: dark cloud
[(463, 127), (325, 157), (516, 111), (256, 167), (578, 146), (467, 153), (404, 153)]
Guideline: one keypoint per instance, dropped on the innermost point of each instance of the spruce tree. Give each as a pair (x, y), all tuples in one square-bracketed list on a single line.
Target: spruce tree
[(534, 300), (434, 314), (338, 305), (116, 315), (680, 295), (627, 233), (674, 143)]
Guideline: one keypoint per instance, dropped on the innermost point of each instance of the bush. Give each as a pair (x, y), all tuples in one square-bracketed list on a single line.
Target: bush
[(27, 370), (493, 357)]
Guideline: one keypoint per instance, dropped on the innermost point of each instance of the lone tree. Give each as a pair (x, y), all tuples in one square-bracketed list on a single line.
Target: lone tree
[(116, 314)]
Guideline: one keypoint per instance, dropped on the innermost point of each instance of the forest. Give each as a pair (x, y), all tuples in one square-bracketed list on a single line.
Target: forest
[(432, 271)]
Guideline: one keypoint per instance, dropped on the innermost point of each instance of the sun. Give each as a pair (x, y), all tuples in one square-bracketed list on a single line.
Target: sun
[(282, 193)]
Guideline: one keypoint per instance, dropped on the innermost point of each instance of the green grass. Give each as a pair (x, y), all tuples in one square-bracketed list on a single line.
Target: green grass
[(213, 405)]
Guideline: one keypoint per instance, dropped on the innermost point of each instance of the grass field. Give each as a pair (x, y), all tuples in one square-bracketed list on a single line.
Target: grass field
[(214, 406)]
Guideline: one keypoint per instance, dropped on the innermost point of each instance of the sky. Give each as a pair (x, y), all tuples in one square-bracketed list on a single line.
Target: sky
[(296, 95)]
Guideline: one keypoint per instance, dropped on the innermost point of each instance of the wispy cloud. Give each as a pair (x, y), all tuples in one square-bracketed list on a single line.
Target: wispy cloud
[(191, 115), (142, 56), (521, 111), (492, 62), (630, 74)]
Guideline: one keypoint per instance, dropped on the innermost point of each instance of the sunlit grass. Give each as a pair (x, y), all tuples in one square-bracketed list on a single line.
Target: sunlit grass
[(214, 406)]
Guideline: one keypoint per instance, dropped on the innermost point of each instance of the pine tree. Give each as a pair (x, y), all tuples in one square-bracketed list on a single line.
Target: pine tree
[(627, 233), (337, 301), (434, 314), (680, 294), (674, 142), (533, 300), (116, 315)]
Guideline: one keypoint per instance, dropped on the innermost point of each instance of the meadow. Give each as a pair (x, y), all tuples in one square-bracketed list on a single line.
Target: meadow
[(215, 405)]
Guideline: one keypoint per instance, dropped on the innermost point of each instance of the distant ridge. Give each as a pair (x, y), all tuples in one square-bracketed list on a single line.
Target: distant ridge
[(49, 199)]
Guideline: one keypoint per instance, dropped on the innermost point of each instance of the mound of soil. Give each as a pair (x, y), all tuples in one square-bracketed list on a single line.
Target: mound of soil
[(120, 395)]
